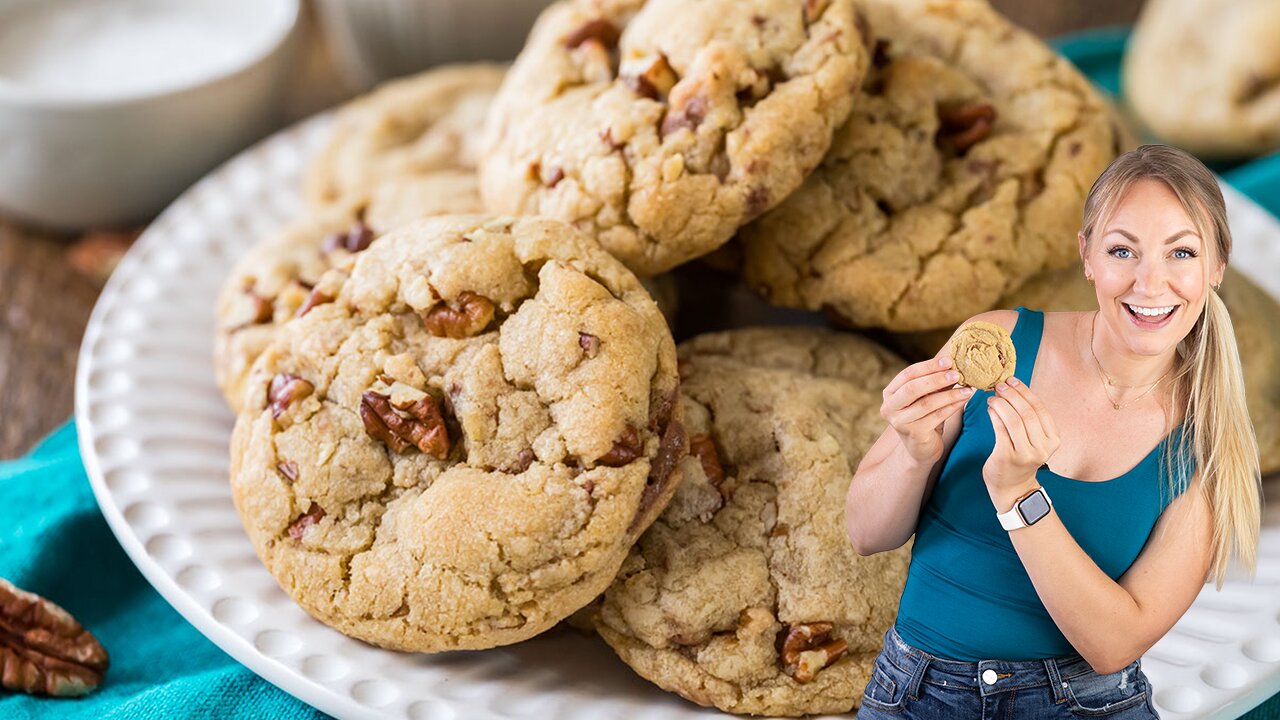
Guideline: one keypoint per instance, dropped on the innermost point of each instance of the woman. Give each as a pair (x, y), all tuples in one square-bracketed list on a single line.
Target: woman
[(1125, 443)]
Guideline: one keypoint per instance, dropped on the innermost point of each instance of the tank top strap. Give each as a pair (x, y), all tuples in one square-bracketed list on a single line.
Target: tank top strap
[(1026, 342)]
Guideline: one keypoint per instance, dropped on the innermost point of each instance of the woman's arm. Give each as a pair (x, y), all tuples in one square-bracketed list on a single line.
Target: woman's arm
[(898, 473)]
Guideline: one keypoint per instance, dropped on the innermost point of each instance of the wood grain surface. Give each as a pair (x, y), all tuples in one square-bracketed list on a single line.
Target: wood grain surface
[(44, 303)]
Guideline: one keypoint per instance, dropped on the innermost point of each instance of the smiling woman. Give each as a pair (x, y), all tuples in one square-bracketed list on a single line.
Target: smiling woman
[(1132, 417)]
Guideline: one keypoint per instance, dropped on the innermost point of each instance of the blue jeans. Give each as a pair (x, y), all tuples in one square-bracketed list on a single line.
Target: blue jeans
[(908, 682)]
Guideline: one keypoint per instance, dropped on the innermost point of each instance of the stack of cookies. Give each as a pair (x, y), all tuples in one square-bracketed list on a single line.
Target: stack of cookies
[(462, 417)]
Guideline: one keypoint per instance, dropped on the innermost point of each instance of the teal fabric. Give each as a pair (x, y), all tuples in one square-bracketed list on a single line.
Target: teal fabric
[(55, 542), (968, 596)]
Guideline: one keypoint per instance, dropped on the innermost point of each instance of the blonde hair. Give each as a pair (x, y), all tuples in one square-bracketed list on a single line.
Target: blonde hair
[(1217, 439)]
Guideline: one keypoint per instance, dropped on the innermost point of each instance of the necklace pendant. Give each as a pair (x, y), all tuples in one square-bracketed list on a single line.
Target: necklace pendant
[(1115, 405)]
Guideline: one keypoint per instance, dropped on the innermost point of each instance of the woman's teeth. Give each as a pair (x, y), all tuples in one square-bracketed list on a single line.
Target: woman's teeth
[(1157, 312)]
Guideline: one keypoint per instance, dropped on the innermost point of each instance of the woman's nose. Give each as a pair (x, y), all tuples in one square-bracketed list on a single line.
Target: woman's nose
[(1152, 276)]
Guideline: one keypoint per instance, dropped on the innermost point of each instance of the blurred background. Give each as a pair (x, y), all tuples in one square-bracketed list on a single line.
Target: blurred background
[(304, 57)]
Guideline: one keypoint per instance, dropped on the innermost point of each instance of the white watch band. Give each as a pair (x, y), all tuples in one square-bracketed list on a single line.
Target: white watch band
[(1012, 519)]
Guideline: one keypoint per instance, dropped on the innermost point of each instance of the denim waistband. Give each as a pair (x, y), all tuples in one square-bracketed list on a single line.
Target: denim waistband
[(1004, 675)]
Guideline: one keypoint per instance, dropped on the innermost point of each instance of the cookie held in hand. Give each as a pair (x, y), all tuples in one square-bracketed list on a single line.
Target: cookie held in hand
[(983, 354)]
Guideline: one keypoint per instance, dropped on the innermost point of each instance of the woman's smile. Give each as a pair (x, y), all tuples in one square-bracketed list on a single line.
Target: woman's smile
[(1148, 317)]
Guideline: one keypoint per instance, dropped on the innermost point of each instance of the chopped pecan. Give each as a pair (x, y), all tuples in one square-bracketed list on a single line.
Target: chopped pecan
[(353, 240), (964, 124), (553, 178), (313, 515), (807, 648), (813, 9), (317, 297), (589, 343), (288, 471), (261, 308), (599, 29), (462, 318), (284, 390), (625, 450), (704, 448), (757, 201), (653, 79), (43, 650), (423, 429), (524, 459)]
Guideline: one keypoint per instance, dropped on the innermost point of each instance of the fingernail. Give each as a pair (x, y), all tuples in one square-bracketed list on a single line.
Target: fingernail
[(966, 391), (944, 362), (1013, 381), (953, 376), (990, 401), (1001, 387)]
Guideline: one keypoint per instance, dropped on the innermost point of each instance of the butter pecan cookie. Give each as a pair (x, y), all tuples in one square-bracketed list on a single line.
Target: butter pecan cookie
[(663, 126), (419, 125), (1205, 74), (961, 173), (460, 448), (983, 354), (746, 594), (280, 277)]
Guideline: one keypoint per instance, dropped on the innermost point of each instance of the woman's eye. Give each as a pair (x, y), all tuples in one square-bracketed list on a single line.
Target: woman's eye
[(1117, 252), (1185, 253)]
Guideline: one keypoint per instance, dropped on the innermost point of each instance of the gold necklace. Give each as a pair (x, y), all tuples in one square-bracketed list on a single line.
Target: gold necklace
[(1106, 379)]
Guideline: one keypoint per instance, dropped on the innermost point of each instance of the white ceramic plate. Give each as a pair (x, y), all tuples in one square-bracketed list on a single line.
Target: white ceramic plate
[(154, 433)]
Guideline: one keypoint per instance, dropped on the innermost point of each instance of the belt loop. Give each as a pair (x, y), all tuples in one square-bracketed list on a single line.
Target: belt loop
[(1056, 684), (917, 675)]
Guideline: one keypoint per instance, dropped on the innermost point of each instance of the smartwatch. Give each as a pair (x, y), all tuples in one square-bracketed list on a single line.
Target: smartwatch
[(1026, 511)]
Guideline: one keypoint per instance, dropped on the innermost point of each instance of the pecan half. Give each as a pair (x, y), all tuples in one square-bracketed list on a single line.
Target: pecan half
[(704, 448), (807, 648), (313, 515), (462, 318), (286, 388), (317, 297), (964, 124), (599, 29), (43, 650), (354, 240), (423, 428), (625, 450)]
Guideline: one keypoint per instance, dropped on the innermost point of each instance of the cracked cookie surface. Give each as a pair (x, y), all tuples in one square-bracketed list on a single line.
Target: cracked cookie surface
[(746, 594), (1205, 74), (418, 125), (961, 172), (662, 126), (459, 449), (274, 280), (983, 354)]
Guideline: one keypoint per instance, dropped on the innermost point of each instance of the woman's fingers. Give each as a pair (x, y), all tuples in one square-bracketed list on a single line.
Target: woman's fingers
[(929, 404), (1016, 396), (917, 370), (1012, 423), (937, 417), (922, 387)]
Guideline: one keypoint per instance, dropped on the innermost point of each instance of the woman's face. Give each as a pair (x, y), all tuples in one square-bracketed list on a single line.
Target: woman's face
[(1151, 270)]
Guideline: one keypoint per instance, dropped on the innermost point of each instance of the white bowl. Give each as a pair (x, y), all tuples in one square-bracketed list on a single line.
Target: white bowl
[(110, 108), (373, 40)]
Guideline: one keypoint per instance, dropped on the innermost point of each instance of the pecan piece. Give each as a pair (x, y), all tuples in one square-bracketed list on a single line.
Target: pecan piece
[(317, 297), (599, 29), (807, 648), (813, 9), (354, 240), (626, 449), (689, 114), (43, 650), (462, 318), (288, 471), (423, 429), (652, 80), (313, 515), (286, 388), (589, 343), (964, 124), (261, 310), (702, 447)]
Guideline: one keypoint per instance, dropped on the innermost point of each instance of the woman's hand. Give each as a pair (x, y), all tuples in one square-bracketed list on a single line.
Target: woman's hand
[(1026, 437), (918, 401)]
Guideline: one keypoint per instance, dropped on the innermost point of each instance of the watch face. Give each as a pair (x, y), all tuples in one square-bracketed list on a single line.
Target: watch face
[(1033, 507)]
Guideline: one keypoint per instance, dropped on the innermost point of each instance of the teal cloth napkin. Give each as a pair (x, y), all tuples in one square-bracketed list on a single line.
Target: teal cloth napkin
[(53, 541)]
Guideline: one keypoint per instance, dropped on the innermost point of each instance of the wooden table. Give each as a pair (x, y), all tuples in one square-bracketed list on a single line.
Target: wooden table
[(44, 304)]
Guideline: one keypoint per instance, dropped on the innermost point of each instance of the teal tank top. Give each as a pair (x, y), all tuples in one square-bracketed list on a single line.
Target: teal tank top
[(968, 596)]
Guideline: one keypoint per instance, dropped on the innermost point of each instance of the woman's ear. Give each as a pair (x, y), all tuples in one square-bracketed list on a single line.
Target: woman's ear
[(1084, 260)]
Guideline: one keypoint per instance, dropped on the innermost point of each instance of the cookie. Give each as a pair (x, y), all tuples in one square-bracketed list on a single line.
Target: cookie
[(1254, 313), (746, 594), (273, 281), (662, 126), (419, 125), (460, 448), (1202, 75), (961, 173), (983, 354)]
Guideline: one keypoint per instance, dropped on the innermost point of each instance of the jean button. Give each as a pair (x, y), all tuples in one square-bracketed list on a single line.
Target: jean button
[(989, 676)]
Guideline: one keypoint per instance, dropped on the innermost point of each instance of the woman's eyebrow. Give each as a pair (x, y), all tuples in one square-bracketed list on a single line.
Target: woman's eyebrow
[(1172, 238)]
